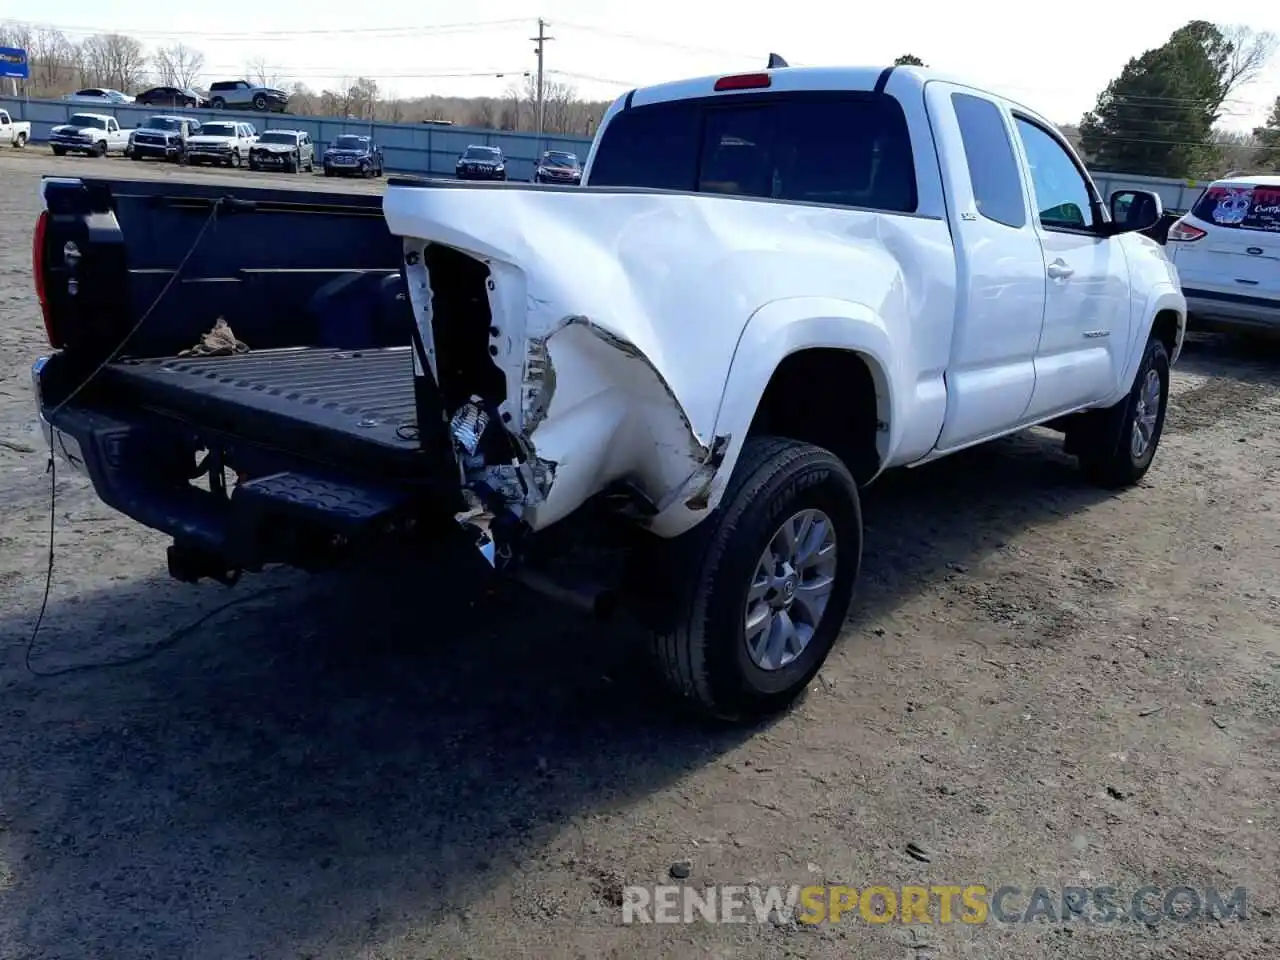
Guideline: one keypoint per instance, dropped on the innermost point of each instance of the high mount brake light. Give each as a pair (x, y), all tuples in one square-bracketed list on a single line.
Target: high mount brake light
[(1184, 232), (744, 81)]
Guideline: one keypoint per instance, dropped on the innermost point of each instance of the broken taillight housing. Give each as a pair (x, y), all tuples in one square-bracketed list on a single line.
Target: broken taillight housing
[(744, 81), (37, 270), (1184, 232)]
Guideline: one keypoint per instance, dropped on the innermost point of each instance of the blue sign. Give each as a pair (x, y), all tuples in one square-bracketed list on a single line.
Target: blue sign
[(13, 63)]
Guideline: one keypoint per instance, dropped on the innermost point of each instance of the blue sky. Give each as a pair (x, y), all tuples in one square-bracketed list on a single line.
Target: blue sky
[(1053, 58)]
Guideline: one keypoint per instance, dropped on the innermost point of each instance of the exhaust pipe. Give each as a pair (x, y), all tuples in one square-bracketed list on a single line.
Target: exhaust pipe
[(596, 601)]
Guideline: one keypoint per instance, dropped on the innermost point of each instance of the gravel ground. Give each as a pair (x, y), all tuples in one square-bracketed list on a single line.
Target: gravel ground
[(1040, 684)]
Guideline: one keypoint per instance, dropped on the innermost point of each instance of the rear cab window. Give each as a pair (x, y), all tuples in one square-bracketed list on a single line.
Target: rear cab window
[(1240, 207), (848, 149)]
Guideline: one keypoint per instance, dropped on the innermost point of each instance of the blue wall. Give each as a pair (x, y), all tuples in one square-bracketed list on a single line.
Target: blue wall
[(408, 147)]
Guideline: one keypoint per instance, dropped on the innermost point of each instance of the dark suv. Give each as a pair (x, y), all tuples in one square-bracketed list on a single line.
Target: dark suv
[(558, 166), (353, 154), (481, 163), (164, 138)]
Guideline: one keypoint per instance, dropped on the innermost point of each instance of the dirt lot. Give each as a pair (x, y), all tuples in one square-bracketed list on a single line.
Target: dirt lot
[(1041, 684)]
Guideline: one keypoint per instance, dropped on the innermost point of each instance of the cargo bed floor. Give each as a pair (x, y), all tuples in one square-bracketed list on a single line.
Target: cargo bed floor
[(366, 396)]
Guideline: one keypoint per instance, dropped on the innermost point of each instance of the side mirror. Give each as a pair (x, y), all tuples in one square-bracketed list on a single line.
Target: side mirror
[(1134, 210)]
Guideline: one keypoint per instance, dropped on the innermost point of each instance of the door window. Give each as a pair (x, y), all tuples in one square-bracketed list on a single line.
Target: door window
[(1061, 194), (993, 171)]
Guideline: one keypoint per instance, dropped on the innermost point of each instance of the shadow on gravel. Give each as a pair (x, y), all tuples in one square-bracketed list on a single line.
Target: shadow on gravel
[(1248, 358), (317, 770)]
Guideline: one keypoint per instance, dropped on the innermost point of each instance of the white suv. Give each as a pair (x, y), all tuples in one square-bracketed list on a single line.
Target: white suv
[(1227, 251), (222, 142)]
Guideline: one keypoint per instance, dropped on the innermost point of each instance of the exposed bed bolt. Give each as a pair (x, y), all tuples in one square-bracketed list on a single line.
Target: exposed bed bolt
[(493, 349), (506, 418), (411, 257), (490, 283), (494, 331)]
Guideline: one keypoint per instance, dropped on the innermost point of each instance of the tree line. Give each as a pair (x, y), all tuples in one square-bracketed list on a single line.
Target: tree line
[(60, 65), (1161, 116)]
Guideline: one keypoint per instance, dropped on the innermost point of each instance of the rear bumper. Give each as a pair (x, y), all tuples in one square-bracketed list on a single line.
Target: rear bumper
[(1230, 309)]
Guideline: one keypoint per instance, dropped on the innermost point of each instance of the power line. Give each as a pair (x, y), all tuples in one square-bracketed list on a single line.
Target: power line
[(268, 35), (656, 42)]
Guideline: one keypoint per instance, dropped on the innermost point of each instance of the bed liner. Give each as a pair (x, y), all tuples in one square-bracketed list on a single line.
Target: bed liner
[(348, 402)]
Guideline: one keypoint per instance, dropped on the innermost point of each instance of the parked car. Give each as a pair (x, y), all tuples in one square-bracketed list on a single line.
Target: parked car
[(1227, 251), (93, 134), (170, 97), (103, 96), (287, 150), (163, 138), (481, 163), (243, 95), (222, 142), (353, 154), (792, 281), (16, 133), (558, 166)]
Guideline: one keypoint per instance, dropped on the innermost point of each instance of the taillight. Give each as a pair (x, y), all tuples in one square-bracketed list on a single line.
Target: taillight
[(744, 81), (1184, 232), (37, 269)]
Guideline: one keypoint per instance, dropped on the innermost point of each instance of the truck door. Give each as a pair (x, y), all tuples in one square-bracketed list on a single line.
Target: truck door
[(1000, 277), (1087, 308)]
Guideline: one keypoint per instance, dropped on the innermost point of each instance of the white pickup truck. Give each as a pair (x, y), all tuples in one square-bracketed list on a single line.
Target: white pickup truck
[(15, 133), (93, 134), (773, 287)]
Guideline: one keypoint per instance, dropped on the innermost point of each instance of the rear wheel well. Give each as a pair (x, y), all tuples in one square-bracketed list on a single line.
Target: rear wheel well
[(1165, 329), (826, 397)]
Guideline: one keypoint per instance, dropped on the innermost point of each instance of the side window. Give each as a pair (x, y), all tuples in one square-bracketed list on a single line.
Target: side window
[(112, 126), (654, 146), (1061, 196), (993, 171)]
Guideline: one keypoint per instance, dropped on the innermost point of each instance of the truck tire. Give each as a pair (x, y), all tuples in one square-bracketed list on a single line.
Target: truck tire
[(217, 103), (21, 141), (59, 151), (1115, 446), (758, 592), (259, 102), (100, 149)]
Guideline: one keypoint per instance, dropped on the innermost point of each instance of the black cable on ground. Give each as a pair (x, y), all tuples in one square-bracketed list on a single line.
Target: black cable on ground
[(52, 469)]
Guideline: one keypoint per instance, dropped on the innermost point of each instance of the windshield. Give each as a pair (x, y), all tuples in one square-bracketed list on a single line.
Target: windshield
[(481, 153), (848, 149), (87, 120), (351, 143), (290, 138), (560, 160), (218, 130), (163, 123)]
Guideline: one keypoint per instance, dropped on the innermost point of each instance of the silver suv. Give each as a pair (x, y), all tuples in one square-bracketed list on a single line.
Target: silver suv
[(243, 95)]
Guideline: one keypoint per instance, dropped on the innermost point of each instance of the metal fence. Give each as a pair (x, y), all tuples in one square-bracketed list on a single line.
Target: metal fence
[(430, 149), (407, 147)]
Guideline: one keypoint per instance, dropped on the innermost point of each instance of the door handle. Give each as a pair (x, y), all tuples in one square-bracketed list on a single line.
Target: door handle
[(1058, 270)]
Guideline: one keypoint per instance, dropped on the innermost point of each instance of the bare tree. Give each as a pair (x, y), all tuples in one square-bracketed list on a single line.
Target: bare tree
[(482, 113), (362, 97), (52, 62), (1251, 51), (178, 65), (260, 72), (115, 60)]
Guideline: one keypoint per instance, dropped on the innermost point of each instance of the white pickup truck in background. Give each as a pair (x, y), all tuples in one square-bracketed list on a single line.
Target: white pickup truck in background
[(93, 134), (222, 142), (16, 133), (772, 288)]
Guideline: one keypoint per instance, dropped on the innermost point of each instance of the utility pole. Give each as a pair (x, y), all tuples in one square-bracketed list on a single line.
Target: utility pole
[(540, 40)]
